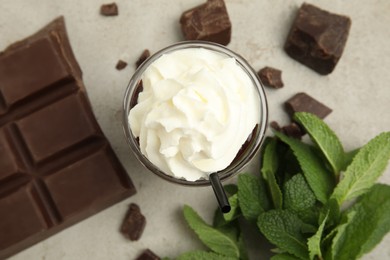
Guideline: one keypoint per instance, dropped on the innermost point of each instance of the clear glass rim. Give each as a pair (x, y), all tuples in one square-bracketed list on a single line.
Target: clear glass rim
[(250, 150)]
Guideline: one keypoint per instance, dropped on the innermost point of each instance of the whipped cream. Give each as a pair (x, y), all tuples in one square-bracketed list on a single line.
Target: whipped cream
[(195, 112)]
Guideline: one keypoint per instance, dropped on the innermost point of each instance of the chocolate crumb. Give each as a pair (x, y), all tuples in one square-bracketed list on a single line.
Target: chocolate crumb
[(121, 65), (148, 254), (144, 55), (275, 125), (271, 77), (302, 102), (109, 9), (134, 223)]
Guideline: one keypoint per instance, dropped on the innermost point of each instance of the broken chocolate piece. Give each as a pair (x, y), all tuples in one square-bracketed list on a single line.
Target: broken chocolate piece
[(302, 102), (207, 22), (293, 130), (148, 254), (109, 9), (317, 38), (56, 166), (271, 77), (144, 55), (134, 223), (275, 125), (121, 65)]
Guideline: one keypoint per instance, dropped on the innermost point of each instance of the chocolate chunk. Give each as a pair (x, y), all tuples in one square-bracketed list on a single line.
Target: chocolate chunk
[(207, 22), (293, 130), (120, 65), (302, 102), (317, 38), (144, 55), (148, 254), (134, 223), (109, 9), (56, 166), (271, 77), (275, 125)]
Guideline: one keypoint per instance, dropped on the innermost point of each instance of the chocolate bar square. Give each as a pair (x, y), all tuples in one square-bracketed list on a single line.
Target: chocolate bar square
[(56, 166), (317, 38)]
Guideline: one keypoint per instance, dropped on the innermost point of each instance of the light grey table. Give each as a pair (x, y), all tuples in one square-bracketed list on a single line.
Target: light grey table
[(358, 91)]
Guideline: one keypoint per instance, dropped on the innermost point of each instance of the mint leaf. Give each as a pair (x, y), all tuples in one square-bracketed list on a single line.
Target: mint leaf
[(242, 247), (314, 242), (284, 257), (230, 189), (234, 209), (325, 139), (211, 237), (367, 223), (203, 255), (269, 168), (319, 180), (298, 196), (366, 167), (348, 157), (252, 197), (283, 229)]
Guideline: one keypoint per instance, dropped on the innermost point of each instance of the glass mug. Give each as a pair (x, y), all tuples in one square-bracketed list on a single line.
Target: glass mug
[(250, 147)]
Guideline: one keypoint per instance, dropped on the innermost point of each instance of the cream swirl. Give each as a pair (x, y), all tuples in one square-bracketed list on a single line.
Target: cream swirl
[(195, 112)]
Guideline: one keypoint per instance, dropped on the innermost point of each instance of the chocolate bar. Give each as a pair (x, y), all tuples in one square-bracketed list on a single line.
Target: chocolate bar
[(56, 166), (207, 22), (271, 77), (317, 38), (302, 102)]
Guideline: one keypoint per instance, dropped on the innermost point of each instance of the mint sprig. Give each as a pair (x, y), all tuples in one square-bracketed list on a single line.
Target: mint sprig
[(298, 201)]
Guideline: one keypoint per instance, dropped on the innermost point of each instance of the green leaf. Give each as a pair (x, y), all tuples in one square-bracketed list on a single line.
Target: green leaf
[(314, 242), (283, 229), (242, 247), (366, 167), (367, 223), (203, 255), (269, 168), (325, 139), (252, 197), (298, 196), (319, 180), (284, 257), (348, 157), (230, 189), (211, 237), (234, 209), (270, 158)]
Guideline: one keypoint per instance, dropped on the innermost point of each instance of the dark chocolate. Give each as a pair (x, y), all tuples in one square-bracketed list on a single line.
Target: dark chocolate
[(293, 130), (317, 38), (56, 166), (275, 125), (133, 224), (148, 254), (207, 22), (120, 65), (302, 102), (144, 55), (109, 9), (271, 77)]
